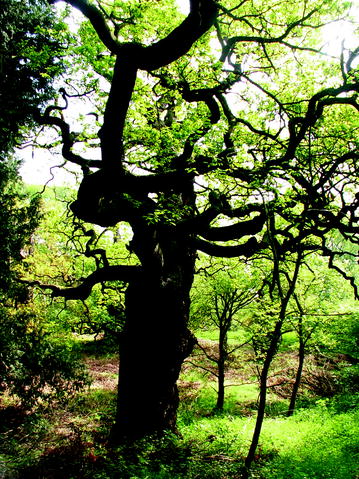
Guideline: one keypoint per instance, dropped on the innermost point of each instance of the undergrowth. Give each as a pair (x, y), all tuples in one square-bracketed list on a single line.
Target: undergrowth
[(71, 442)]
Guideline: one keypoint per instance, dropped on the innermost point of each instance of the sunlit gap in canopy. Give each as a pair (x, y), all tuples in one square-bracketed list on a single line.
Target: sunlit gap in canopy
[(183, 6), (341, 36), (36, 163)]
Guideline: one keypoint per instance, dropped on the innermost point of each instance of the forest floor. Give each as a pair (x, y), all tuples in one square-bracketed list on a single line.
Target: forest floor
[(69, 441)]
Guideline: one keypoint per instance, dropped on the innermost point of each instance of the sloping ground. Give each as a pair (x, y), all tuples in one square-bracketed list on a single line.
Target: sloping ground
[(104, 372), (70, 440)]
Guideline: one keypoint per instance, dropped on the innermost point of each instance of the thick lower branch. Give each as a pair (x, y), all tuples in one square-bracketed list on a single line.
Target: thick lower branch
[(83, 290), (235, 231)]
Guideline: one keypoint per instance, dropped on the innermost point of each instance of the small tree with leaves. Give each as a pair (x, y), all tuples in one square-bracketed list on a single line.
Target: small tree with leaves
[(219, 302)]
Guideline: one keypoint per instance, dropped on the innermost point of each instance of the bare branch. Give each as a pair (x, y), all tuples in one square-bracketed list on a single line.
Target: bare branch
[(67, 138), (262, 40)]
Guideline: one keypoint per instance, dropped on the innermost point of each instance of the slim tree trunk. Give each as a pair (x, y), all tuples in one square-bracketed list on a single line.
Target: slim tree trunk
[(262, 397), (260, 412), (220, 385), (274, 341), (298, 378), (222, 356)]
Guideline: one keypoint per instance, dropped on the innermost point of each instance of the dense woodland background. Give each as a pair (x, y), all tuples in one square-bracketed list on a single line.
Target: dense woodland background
[(208, 244)]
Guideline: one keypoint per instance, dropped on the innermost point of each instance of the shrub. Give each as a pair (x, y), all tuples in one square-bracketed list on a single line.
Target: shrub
[(34, 365)]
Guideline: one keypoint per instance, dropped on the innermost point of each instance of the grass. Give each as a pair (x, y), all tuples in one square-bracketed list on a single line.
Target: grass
[(70, 441), (315, 444), (234, 337)]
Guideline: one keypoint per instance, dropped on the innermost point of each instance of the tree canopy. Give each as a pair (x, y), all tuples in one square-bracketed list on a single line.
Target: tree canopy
[(203, 133)]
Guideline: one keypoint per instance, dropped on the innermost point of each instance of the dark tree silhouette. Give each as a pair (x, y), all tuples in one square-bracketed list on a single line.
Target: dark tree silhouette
[(224, 168)]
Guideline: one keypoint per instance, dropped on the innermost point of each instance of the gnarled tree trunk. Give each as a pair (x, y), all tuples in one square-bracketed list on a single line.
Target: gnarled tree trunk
[(155, 340)]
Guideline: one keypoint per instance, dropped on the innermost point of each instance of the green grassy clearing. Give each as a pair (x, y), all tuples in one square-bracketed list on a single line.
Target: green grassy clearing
[(70, 440)]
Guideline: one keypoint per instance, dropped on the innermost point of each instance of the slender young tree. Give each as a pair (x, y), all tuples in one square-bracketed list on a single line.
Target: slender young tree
[(320, 300), (219, 303), (303, 339), (227, 305), (282, 287), (203, 126)]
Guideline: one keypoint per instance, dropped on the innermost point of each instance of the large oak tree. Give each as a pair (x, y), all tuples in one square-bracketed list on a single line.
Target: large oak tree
[(210, 127)]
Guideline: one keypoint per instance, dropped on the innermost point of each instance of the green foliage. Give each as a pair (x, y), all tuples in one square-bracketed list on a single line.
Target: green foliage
[(213, 448), (19, 215), (333, 451), (224, 287), (71, 441), (272, 151), (65, 250), (32, 43), (33, 365)]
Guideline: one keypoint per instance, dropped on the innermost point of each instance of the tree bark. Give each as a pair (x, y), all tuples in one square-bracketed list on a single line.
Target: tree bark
[(262, 396), (260, 413), (222, 357), (298, 378), (220, 383), (155, 340)]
